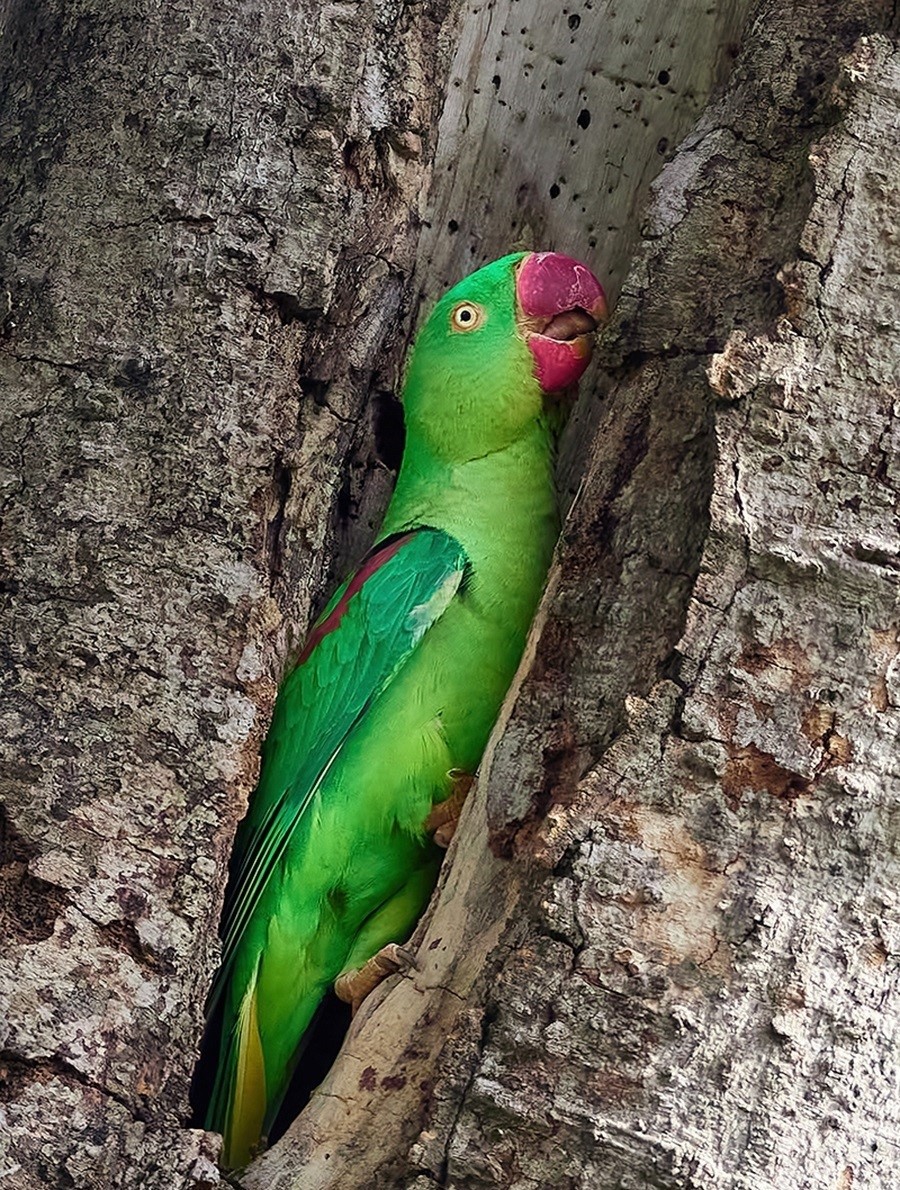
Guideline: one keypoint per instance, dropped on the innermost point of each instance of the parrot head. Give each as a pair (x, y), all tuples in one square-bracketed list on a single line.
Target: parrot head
[(497, 348)]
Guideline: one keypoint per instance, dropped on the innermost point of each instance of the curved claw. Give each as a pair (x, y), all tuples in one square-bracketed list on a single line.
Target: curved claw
[(353, 986)]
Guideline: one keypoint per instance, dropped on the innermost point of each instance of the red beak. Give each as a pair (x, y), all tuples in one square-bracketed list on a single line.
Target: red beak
[(561, 303)]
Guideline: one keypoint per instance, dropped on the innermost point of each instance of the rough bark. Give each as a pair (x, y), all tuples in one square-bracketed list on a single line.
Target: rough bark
[(662, 944), (211, 212), (663, 952)]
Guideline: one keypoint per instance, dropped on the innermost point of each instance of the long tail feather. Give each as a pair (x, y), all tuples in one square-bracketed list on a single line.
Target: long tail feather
[(248, 1105), (238, 1104)]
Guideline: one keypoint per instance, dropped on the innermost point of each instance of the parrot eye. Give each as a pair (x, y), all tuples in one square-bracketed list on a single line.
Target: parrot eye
[(466, 317)]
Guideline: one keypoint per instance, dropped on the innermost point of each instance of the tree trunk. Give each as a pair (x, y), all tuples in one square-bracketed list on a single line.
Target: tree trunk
[(663, 945), (210, 221)]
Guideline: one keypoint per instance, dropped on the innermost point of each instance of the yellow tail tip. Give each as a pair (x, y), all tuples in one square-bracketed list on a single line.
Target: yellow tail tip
[(243, 1129)]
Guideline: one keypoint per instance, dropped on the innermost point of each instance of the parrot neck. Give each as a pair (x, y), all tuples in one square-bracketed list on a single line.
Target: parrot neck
[(501, 507)]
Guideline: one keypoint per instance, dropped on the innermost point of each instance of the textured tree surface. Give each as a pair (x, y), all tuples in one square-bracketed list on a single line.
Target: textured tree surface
[(211, 211), (664, 952)]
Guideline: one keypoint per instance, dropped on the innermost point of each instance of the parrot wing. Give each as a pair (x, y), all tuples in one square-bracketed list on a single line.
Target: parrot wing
[(366, 633)]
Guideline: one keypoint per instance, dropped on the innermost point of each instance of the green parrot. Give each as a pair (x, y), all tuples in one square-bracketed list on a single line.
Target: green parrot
[(389, 706)]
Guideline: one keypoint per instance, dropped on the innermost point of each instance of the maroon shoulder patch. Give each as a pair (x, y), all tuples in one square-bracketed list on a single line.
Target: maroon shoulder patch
[(372, 563)]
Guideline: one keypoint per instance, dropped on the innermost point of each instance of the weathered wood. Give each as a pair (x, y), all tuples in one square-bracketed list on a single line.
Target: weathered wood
[(557, 120)]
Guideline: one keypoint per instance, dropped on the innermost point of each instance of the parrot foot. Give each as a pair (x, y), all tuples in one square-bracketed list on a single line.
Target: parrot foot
[(353, 986), (444, 817)]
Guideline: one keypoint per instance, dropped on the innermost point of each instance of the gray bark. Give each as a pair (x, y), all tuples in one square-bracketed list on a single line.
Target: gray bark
[(663, 945), (210, 216)]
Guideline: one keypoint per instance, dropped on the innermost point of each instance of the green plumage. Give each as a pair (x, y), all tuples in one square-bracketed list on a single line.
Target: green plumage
[(400, 684)]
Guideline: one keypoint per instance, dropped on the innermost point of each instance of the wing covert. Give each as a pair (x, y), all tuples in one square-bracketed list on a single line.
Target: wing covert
[(367, 631)]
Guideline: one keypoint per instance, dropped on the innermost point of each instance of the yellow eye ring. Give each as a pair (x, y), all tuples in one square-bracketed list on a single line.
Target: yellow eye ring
[(466, 316)]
